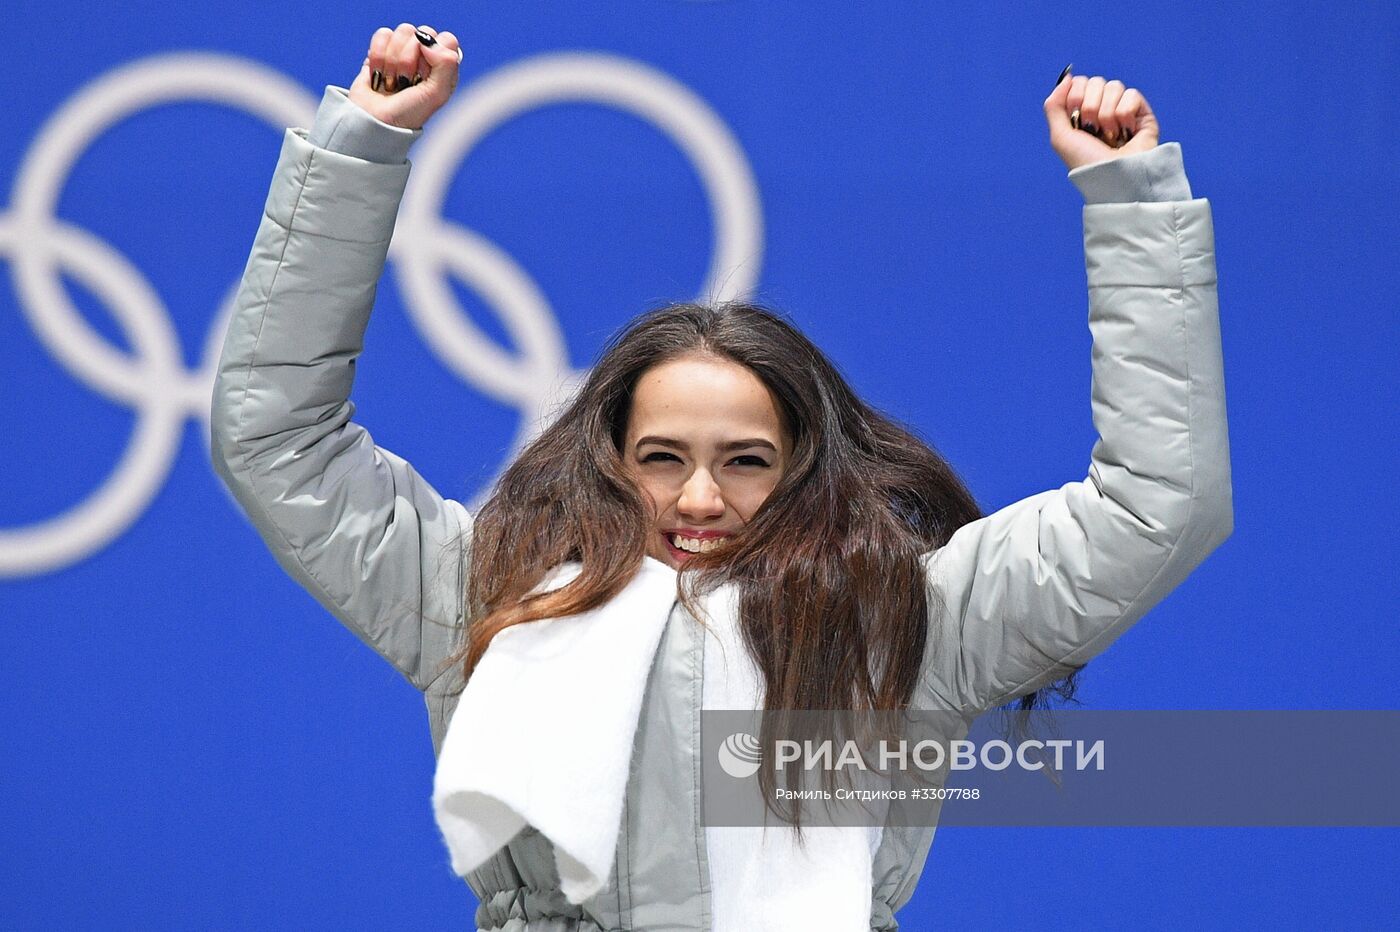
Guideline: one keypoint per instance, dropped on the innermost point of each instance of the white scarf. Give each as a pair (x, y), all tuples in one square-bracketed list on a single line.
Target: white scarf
[(543, 732), (543, 736)]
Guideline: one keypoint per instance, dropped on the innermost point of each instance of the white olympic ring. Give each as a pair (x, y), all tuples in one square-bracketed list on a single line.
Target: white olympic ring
[(154, 381)]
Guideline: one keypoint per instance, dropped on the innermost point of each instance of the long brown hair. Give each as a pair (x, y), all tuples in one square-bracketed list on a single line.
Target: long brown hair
[(832, 604)]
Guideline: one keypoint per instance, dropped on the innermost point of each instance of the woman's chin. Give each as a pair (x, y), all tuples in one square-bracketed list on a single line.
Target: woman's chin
[(667, 559)]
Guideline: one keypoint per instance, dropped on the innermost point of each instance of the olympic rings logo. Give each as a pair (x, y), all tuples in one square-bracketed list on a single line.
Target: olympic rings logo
[(154, 381)]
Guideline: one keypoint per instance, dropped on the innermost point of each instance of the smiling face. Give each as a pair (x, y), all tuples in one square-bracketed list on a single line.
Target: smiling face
[(706, 444)]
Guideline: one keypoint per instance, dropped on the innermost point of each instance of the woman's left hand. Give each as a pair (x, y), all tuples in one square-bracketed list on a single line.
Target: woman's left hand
[(1093, 120)]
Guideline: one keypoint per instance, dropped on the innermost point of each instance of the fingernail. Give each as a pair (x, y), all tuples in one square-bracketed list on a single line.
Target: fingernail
[(376, 80), (424, 38), (1089, 128), (404, 81), (1063, 73), (1074, 118), (417, 79)]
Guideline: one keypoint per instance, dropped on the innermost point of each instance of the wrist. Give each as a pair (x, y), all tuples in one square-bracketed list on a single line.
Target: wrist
[(1157, 174), (345, 127)]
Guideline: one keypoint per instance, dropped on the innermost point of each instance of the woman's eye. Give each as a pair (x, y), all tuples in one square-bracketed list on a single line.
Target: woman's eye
[(660, 456)]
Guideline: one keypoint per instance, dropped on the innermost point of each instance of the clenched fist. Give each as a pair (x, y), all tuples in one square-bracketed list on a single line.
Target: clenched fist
[(409, 73), (1093, 120)]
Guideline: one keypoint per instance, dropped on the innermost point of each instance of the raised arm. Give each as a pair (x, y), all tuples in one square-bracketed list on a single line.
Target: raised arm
[(352, 522), (1041, 586)]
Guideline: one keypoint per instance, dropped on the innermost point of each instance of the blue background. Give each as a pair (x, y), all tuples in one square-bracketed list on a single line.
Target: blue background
[(189, 740)]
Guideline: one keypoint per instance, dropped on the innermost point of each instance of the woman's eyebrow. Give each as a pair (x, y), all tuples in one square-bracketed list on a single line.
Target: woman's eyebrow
[(731, 445)]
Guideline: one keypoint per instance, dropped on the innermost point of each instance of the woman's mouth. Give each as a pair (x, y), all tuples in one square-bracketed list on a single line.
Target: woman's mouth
[(682, 547)]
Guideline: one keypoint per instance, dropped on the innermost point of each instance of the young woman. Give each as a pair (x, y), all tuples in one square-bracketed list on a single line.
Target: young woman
[(719, 442)]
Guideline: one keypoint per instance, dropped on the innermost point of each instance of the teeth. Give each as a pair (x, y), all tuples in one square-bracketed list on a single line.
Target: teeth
[(691, 545)]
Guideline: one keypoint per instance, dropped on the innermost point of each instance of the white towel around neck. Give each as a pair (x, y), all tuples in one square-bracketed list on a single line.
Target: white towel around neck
[(761, 880), (543, 732), (543, 735)]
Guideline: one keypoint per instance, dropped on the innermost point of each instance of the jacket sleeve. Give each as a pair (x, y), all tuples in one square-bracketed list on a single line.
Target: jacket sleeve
[(1026, 595), (352, 522)]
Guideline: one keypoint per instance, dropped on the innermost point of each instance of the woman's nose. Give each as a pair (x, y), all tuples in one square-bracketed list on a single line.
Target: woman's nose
[(700, 497)]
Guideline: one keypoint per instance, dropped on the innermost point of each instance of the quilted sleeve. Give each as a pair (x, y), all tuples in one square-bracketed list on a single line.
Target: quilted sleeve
[(1027, 594), (352, 522)]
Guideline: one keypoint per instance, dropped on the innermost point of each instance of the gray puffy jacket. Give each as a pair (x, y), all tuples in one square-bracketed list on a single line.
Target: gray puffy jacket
[(1031, 591)]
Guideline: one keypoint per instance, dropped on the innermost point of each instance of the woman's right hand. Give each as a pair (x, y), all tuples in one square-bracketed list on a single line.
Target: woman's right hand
[(403, 80)]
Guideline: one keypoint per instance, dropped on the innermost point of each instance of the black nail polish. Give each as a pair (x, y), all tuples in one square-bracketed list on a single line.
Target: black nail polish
[(405, 80), (1063, 73), (1089, 128), (424, 38), (417, 80)]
